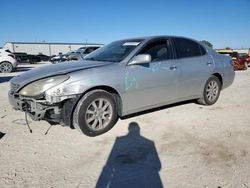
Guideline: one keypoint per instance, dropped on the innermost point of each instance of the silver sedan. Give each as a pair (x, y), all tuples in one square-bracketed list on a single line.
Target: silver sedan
[(122, 78)]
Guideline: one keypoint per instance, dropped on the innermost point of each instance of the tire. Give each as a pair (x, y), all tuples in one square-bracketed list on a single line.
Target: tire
[(95, 113), (211, 91), (6, 67)]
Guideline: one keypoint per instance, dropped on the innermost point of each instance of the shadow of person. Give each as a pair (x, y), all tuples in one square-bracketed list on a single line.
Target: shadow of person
[(133, 162)]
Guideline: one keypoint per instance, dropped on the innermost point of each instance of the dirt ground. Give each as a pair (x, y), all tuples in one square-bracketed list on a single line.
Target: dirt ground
[(185, 145)]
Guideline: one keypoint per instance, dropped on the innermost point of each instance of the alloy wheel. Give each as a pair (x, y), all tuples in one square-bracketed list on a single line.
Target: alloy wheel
[(212, 90), (99, 114), (5, 67)]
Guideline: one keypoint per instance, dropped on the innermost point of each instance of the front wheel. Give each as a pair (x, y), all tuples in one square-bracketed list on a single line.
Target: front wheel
[(211, 91), (6, 67), (95, 113)]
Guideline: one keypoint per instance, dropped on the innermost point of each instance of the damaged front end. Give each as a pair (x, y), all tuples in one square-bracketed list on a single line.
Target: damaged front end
[(55, 110), (39, 109)]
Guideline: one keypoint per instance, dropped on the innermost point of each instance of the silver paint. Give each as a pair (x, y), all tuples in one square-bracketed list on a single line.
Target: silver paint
[(139, 87)]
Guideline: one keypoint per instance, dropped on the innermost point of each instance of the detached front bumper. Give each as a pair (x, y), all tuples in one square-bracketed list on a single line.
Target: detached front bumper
[(37, 109)]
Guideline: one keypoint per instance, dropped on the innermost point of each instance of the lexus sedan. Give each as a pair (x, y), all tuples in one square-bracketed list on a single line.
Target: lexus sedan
[(122, 78)]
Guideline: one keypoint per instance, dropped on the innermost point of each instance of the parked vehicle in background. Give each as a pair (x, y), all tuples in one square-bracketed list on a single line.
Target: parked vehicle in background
[(28, 58), (7, 61), (74, 55), (32, 59), (82, 52), (122, 78), (248, 60), (239, 63), (66, 55), (43, 57), (245, 58), (59, 58), (21, 57)]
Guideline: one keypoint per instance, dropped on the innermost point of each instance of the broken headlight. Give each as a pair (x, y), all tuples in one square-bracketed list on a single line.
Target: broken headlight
[(36, 88)]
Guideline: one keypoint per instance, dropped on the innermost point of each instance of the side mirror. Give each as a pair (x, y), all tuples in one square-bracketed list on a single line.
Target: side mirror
[(140, 59)]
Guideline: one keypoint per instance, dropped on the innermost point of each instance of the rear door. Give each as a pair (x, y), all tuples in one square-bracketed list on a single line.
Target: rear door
[(196, 66)]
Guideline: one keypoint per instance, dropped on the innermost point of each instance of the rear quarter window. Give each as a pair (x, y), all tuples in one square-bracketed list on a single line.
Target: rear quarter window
[(187, 48)]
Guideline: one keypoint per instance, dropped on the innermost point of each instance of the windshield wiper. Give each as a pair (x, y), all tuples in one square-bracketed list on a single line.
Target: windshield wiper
[(93, 59)]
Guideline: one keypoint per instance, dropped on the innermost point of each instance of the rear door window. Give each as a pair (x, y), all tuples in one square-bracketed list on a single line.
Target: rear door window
[(188, 48)]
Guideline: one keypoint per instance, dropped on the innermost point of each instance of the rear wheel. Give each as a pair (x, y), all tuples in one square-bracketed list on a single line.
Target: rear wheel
[(6, 67), (211, 91), (95, 113)]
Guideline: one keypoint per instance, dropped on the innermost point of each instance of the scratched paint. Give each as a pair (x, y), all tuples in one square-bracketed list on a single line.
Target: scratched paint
[(92, 82), (156, 67), (130, 81), (153, 67)]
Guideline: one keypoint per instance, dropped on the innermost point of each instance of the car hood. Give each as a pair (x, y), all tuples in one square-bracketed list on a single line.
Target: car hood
[(55, 69)]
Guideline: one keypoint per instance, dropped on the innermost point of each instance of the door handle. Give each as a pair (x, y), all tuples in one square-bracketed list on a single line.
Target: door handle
[(172, 67), (209, 63)]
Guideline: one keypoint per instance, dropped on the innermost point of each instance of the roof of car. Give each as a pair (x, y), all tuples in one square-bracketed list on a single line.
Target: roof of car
[(156, 36)]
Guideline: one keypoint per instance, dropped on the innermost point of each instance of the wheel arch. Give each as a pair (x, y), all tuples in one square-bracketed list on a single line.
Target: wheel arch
[(5, 61), (70, 105), (218, 75), (111, 90)]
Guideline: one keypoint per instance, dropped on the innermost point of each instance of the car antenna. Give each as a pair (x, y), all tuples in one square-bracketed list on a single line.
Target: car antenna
[(27, 123), (48, 130)]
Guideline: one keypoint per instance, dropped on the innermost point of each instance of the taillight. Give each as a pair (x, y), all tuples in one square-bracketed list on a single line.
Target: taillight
[(12, 55)]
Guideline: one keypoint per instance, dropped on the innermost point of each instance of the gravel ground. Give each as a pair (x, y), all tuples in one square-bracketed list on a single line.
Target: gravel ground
[(185, 145)]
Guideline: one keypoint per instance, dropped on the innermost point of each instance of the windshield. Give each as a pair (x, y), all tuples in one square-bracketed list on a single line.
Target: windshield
[(114, 52)]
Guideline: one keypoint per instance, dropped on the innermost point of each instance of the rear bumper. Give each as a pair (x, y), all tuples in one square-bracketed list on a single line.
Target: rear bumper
[(228, 78)]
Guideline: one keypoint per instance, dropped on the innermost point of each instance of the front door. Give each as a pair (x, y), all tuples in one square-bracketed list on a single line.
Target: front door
[(155, 83)]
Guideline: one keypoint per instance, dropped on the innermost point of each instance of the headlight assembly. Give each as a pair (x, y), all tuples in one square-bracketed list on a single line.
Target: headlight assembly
[(36, 88)]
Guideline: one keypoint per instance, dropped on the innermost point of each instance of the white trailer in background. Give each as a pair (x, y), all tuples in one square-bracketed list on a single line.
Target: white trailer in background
[(48, 49)]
